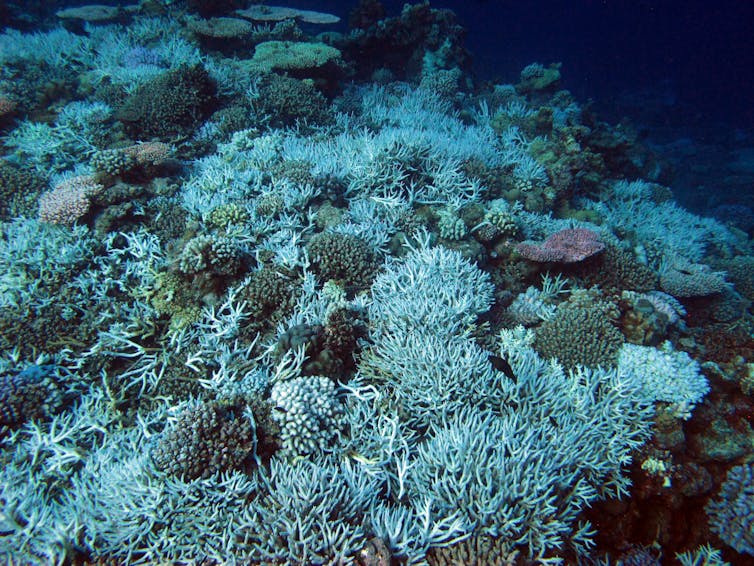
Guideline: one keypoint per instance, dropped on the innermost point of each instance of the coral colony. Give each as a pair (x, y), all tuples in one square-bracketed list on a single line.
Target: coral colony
[(277, 296)]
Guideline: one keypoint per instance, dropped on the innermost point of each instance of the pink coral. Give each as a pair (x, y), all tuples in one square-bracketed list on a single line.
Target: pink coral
[(565, 246), (149, 153), (68, 201)]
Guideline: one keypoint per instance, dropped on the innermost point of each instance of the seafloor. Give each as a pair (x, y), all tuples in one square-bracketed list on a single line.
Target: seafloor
[(274, 293)]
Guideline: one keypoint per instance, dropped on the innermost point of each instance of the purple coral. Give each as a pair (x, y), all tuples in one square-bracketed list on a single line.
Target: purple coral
[(565, 246)]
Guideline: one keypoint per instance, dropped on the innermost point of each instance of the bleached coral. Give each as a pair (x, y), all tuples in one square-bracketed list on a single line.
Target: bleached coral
[(554, 439), (432, 288), (32, 251), (531, 307), (704, 555), (309, 414), (662, 228), (663, 374)]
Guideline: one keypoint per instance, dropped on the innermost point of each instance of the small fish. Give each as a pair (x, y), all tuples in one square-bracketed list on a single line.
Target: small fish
[(501, 364)]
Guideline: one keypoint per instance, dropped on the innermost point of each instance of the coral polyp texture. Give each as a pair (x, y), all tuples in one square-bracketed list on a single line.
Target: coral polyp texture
[(565, 246), (270, 297), (68, 201), (731, 513)]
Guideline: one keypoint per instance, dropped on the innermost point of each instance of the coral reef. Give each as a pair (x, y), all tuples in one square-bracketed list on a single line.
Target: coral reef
[(274, 293)]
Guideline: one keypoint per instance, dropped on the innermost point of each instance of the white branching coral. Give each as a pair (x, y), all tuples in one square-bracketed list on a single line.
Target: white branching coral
[(663, 374)]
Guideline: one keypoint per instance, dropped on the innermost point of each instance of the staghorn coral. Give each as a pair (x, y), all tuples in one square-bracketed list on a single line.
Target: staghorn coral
[(465, 453), (421, 311), (531, 307), (704, 555)]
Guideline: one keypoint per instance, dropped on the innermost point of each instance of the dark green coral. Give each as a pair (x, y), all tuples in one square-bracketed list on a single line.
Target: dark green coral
[(345, 259), (169, 105), (581, 334), (19, 190)]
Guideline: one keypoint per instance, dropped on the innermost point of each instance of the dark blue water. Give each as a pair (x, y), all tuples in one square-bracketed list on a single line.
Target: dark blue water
[(693, 59), (682, 72), (697, 55)]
